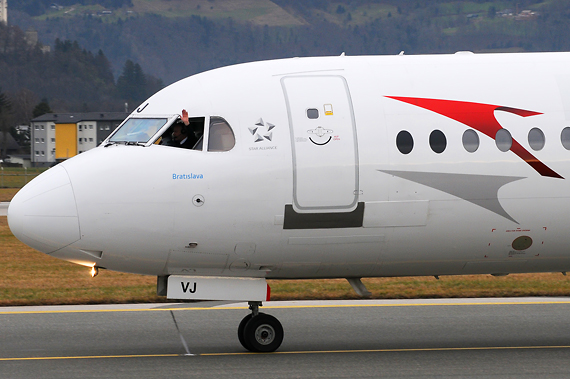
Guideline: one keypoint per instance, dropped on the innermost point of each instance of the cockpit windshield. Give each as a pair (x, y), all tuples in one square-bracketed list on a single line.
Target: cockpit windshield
[(138, 130)]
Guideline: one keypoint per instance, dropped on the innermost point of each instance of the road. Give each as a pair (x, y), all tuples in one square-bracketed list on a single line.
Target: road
[(517, 337)]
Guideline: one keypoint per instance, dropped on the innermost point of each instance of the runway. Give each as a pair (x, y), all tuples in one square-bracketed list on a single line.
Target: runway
[(515, 337)]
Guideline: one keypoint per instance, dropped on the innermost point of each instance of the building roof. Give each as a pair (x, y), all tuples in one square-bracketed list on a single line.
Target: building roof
[(74, 118), (11, 142)]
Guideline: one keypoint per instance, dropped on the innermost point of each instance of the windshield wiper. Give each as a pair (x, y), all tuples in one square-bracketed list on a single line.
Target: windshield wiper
[(134, 143)]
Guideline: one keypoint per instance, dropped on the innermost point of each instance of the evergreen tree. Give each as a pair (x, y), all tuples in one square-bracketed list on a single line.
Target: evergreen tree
[(131, 85), (41, 108)]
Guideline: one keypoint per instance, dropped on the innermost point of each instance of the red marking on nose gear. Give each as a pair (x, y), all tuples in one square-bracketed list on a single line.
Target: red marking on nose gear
[(481, 117)]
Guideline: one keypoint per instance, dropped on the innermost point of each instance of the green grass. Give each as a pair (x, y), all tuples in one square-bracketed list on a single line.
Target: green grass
[(516, 285), (6, 194), (15, 177)]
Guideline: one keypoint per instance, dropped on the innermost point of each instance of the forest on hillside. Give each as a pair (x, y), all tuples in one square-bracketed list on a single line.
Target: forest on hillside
[(39, 7), (173, 48), (67, 78), (71, 77)]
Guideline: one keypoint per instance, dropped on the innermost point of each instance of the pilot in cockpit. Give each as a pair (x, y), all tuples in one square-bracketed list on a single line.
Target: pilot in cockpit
[(182, 133)]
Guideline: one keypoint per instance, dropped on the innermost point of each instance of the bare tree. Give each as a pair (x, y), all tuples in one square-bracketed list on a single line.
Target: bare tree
[(23, 102), (6, 117)]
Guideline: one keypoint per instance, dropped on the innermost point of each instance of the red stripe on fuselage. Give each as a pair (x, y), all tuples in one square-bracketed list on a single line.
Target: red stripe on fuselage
[(481, 117)]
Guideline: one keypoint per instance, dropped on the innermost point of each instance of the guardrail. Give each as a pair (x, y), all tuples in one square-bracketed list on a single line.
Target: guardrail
[(16, 179)]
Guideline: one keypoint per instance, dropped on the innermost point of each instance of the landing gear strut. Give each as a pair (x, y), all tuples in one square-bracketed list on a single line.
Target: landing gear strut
[(259, 332)]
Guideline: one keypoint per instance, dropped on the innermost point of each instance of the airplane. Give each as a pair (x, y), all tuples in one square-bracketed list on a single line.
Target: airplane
[(321, 167)]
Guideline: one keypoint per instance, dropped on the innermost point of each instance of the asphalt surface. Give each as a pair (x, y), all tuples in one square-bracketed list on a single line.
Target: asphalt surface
[(4, 208), (517, 337)]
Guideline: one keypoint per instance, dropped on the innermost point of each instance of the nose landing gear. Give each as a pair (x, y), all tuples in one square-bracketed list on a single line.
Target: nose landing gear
[(260, 332)]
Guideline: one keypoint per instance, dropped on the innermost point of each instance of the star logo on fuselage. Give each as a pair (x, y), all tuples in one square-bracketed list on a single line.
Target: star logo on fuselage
[(262, 131)]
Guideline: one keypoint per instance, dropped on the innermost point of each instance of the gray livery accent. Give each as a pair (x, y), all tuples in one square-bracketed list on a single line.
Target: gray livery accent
[(481, 190)]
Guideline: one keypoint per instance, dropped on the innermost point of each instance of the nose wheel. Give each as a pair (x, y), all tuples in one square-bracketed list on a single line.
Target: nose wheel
[(260, 332)]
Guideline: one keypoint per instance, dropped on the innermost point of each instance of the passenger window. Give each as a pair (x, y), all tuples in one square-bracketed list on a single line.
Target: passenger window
[(437, 141), (503, 140), (470, 140), (536, 139), (221, 137), (565, 138), (404, 142)]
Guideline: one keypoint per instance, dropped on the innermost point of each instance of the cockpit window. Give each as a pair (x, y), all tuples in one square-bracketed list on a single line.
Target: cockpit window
[(138, 130), (221, 137)]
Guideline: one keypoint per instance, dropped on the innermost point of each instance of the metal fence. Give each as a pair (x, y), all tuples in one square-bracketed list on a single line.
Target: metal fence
[(16, 179)]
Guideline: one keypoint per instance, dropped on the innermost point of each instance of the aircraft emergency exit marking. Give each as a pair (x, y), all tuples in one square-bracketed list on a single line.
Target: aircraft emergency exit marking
[(481, 117)]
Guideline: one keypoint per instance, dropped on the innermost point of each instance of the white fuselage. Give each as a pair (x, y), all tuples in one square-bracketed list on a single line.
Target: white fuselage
[(317, 185)]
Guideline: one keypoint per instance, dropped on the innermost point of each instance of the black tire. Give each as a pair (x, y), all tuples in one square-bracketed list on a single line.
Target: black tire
[(241, 333), (263, 333)]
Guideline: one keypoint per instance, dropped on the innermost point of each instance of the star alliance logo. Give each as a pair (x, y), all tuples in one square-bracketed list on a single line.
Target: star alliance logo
[(262, 131)]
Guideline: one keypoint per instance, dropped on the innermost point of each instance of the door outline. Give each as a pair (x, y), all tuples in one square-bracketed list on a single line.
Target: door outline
[(327, 208)]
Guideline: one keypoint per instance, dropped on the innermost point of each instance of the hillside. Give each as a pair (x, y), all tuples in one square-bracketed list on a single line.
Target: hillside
[(172, 39), (68, 77), (289, 13), (258, 12)]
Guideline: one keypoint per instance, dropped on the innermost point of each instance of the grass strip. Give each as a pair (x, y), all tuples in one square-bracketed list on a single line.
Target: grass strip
[(16, 177), (6, 194)]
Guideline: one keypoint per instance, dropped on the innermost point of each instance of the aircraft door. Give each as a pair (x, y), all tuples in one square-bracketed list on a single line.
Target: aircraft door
[(324, 144)]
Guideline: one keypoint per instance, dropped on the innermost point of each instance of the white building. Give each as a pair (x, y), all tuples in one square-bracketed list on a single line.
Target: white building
[(4, 11), (56, 137)]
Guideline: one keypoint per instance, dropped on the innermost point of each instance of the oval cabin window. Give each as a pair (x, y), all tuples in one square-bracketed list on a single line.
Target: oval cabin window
[(536, 139), (437, 141), (503, 140), (565, 138), (404, 142), (470, 140)]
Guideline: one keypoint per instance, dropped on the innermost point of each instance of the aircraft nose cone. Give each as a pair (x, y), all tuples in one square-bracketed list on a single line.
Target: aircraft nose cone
[(43, 214)]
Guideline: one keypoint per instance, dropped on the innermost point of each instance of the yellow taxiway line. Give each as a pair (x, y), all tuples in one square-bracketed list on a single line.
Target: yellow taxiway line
[(404, 350), (17, 312)]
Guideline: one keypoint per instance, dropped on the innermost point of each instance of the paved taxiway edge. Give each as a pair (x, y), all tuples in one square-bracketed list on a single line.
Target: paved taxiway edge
[(285, 304), (4, 208)]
